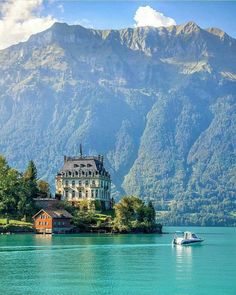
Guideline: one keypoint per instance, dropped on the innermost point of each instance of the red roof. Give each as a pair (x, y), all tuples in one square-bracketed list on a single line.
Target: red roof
[(54, 213)]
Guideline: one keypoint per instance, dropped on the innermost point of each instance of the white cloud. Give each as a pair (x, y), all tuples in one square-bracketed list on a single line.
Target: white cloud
[(20, 19), (61, 8), (147, 16)]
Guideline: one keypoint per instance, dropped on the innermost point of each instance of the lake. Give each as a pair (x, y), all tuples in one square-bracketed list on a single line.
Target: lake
[(119, 264)]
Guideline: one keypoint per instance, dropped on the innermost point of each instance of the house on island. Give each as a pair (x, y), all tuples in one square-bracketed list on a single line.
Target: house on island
[(48, 221), (84, 178)]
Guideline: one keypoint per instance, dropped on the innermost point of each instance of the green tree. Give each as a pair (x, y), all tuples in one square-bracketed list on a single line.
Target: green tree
[(9, 190), (132, 214), (31, 171), (44, 188), (25, 205), (150, 212), (30, 177)]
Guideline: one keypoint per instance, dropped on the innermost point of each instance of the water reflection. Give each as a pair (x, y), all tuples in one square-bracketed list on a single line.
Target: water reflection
[(184, 263), (45, 240)]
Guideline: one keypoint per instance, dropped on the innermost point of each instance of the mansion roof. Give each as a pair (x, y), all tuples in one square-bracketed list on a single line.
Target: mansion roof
[(83, 166)]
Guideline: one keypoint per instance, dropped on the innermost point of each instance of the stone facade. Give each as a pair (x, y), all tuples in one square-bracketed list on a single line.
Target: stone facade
[(84, 177)]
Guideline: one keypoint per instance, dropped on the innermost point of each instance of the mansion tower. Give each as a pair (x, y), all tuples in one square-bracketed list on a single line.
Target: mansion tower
[(84, 177)]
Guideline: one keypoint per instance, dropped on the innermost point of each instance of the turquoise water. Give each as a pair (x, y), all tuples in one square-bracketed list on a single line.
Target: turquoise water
[(118, 265)]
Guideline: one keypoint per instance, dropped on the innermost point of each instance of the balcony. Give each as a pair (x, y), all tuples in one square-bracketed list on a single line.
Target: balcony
[(80, 187)]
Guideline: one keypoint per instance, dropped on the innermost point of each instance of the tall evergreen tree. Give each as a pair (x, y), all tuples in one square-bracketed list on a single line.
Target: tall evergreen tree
[(151, 213), (30, 177), (31, 172)]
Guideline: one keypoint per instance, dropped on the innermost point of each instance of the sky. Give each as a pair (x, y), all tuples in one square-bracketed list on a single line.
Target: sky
[(21, 18)]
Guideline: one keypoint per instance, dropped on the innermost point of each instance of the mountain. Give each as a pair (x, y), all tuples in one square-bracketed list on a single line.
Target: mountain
[(159, 103)]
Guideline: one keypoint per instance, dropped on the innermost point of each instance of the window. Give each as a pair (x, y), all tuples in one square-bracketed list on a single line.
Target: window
[(80, 194), (73, 194), (66, 193), (93, 182), (39, 223), (73, 183), (67, 182), (92, 193), (96, 193), (86, 183), (86, 194), (80, 182)]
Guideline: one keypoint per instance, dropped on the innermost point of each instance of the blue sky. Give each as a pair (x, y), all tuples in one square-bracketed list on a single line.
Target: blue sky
[(120, 14), (22, 18)]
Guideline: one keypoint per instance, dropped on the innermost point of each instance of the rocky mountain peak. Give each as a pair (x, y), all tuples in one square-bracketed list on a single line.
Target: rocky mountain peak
[(188, 28), (217, 32)]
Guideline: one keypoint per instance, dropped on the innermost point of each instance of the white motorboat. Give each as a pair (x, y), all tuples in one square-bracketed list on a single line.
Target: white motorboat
[(186, 238)]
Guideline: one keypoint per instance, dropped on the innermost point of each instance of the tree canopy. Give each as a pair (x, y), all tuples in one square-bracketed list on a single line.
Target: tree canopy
[(132, 214), (17, 190)]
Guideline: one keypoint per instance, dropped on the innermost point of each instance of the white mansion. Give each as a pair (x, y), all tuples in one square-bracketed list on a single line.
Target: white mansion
[(84, 177)]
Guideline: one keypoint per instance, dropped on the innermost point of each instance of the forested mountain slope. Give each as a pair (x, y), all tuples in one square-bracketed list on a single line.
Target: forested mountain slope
[(159, 103)]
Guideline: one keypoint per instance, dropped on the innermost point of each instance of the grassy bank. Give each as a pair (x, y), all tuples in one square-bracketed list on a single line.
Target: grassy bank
[(15, 226)]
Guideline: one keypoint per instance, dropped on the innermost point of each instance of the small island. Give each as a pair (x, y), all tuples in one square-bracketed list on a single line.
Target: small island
[(84, 194)]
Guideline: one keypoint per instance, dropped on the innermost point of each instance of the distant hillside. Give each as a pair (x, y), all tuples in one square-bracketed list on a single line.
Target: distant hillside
[(159, 103)]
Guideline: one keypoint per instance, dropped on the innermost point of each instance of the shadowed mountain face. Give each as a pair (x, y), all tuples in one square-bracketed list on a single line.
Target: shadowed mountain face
[(159, 103)]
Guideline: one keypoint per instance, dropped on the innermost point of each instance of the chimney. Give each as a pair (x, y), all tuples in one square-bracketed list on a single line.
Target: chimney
[(80, 151), (65, 159), (101, 157)]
